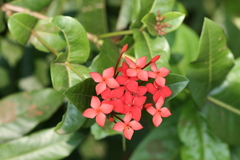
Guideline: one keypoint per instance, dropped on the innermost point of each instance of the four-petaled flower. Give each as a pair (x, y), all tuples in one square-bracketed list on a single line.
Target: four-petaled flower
[(104, 80), (98, 110), (127, 126), (158, 112), (158, 74)]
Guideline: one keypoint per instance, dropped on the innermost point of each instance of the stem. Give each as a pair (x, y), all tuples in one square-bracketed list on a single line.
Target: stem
[(223, 105), (112, 34), (9, 7), (44, 42), (74, 70), (124, 143)]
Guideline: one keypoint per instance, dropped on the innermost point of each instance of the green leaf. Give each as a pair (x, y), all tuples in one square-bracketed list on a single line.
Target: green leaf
[(5, 79), (21, 112), (72, 120), (182, 56), (102, 132), (76, 38), (176, 83), (213, 63), (199, 142), (36, 6), (124, 16), (235, 153), (2, 22), (174, 19), (223, 122), (147, 45), (163, 6), (64, 77), (150, 21), (20, 26), (96, 9), (80, 95), (44, 144), (11, 51), (51, 35), (107, 57), (161, 143)]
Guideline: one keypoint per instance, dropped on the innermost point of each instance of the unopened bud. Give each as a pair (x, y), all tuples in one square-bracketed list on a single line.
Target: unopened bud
[(154, 59), (124, 48), (111, 119)]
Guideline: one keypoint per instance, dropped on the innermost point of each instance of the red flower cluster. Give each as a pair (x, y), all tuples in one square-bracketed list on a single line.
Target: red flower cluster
[(122, 93)]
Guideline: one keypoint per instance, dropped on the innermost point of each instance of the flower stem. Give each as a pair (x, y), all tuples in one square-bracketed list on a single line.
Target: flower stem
[(74, 70), (223, 105), (44, 42), (118, 33), (124, 143)]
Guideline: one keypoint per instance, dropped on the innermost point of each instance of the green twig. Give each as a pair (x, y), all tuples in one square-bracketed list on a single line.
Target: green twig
[(112, 34), (124, 143), (74, 70), (223, 105), (44, 42)]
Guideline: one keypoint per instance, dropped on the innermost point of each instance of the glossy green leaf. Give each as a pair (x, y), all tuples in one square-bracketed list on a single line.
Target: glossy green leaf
[(45, 144), (36, 6), (21, 112), (182, 56), (198, 140), (11, 51), (150, 21), (163, 6), (176, 83), (147, 45), (64, 77), (76, 38), (213, 63), (161, 143), (96, 9), (107, 57), (4, 78), (102, 132), (224, 122), (141, 10), (51, 35), (174, 19), (80, 94), (124, 16), (20, 26), (72, 120)]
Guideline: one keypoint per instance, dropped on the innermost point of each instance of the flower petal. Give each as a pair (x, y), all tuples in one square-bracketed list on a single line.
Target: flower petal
[(108, 73), (141, 62), (89, 113), (135, 125), (112, 83), (96, 77), (106, 94), (142, 90), (131, 72), (157, 119), (160, 81), (159, 103), (166, 91), (151, 74), (128, 133), (154, 67), (165, 112), (164, 71), (119, 126), (151, 89), (132, 86), (130, 62), (136, 113), (106, 108), (100, 119), (95, 102), (100, 87), (151, 110), (118, 106), (142, 75), (127, 118), (121, 80), (117, 93)]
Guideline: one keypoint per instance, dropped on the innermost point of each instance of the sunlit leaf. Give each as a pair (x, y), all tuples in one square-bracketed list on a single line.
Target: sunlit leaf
[(72, 120), (198, 140), (124, 16), (163, 6), (36, 6), (213, 63), (45, 144), (174, 19), (20, 26), (21, 112), (224, 122), (76, 38)]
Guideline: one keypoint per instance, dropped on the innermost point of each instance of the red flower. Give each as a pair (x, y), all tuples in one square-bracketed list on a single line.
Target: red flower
[(113, 97), (98, 110), (127, 126), (158, 74), (158, 112), (135, 70), (105, 80)]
